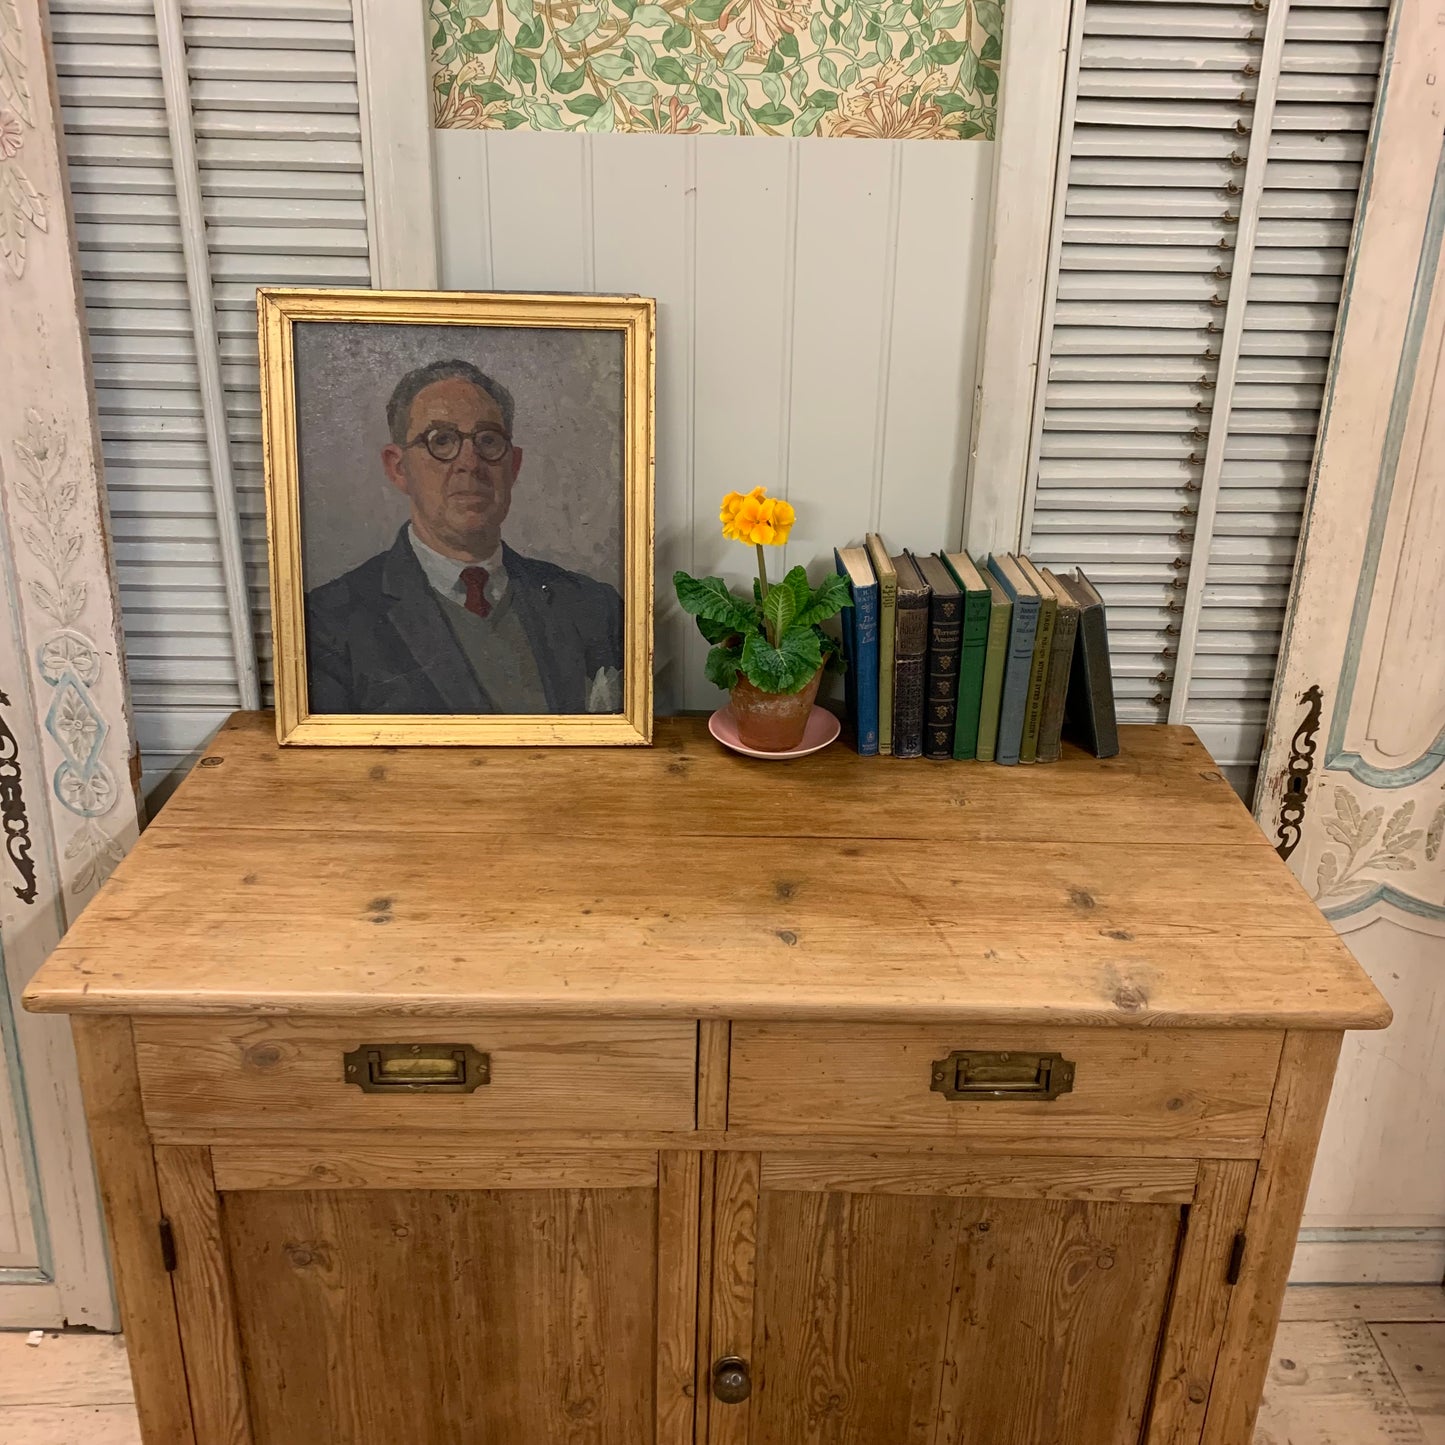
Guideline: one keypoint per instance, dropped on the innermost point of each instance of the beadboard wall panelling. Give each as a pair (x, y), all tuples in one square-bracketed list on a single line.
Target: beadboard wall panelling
[(818, 317)]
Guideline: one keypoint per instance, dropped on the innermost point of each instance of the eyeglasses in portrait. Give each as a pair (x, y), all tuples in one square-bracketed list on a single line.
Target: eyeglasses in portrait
[(459, 495)]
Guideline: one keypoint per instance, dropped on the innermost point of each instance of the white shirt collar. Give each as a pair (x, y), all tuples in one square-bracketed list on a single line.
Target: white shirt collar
[(445, 573)]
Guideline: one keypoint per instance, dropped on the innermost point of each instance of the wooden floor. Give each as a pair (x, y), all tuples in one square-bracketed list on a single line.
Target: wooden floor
[(1357, 1366)]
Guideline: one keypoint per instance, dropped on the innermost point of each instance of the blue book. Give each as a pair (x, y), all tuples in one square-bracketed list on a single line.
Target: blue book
[(1019, 660), (860, 646)]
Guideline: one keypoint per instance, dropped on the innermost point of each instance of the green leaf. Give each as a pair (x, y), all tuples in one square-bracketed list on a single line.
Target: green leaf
[(870, 31), (721, 667), (848, 77), (797, 84), (677, 37), (968, 72), (719, 632), (530, 36), (504, 58), (626, 6), (491, 91), (479, 42), (908, 49), (709, 597), (885, 46), (831, 597), (992, 50), (603, 119), (641, 50), (522, 9), (835, 31), (775, 61), (545, 116), (711, 102), (472, 9), (828, 71), (585, 105), (568, 81), (770, 114), (439, 38), (551, 62), (780, 607), (788, 44), (736, 55), (773, 88), (670, 70), (785, 668), (650, 16), (946, 51), (638, 92), (738, 100), (949, 16), (523, 69), (512, 119), (807, 122), (987, 80), (581, 27), (613, 67), (989, 14), (821, 100), (707, 10), (949, 101), (818, 31)]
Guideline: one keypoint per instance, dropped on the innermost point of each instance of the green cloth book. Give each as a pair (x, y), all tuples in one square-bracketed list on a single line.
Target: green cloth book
[(1000, 620), (1039, 670), (976, 608), (887, 575)]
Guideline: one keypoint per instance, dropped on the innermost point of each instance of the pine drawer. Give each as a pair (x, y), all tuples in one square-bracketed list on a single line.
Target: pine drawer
[(198, 1076), (1152, 1086)]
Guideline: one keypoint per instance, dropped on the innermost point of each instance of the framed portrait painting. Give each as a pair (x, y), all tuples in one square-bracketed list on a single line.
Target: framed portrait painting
[(459, 503)]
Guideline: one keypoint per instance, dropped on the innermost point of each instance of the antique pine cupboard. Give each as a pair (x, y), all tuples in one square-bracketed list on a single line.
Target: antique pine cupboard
[(660, 1095)]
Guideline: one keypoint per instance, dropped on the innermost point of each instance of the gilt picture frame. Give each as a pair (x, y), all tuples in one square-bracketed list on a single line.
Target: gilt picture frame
[(426, 587)]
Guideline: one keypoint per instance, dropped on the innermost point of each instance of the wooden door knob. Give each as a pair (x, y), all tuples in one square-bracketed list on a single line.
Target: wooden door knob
[(731, 1382)]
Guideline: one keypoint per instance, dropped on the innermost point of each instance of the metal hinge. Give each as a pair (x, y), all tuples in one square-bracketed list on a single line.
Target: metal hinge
[(168, 1244), (1236, 1259)]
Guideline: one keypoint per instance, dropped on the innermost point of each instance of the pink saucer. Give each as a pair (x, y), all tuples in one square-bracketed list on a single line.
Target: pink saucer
[(822, 729)]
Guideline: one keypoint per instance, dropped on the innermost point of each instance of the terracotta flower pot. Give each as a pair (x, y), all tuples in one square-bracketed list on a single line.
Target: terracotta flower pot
[(772, 722)]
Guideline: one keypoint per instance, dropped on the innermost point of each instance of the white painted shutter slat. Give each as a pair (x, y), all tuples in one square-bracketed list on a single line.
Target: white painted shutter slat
[(1156, 160), (273, 108)]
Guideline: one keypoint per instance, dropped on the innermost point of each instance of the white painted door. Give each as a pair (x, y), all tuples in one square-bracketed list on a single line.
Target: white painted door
[(66, 795), (1354, 775)]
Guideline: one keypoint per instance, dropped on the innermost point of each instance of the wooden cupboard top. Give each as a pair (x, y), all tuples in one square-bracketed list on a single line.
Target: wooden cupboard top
[(684, 881)]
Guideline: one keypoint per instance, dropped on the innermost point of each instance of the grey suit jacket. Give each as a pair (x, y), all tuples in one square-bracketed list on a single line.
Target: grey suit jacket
[(377, 641)]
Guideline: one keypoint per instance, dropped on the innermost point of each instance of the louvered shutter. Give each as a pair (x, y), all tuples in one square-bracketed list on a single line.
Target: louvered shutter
[(1155, 180), (273, 108)]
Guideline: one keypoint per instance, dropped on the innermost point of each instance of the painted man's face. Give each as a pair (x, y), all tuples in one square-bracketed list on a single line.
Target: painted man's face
[(457, 506)]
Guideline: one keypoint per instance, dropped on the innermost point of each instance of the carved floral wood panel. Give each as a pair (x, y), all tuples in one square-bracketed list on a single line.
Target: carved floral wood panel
[(1355, 776)]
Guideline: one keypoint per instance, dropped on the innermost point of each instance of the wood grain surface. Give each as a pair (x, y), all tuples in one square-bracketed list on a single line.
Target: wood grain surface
[(344, 883), (248, 1072), (126, 1171), (390, 1315), (861, 1078)]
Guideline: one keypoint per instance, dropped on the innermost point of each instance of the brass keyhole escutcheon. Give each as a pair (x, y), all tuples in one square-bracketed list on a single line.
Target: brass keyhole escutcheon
[(731, 1381)]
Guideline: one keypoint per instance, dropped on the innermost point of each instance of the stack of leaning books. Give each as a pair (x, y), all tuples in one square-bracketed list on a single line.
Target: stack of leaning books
[(948, 658)]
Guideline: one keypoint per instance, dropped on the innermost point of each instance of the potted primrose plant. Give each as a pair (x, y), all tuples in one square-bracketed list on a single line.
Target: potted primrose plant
[(768, 650)]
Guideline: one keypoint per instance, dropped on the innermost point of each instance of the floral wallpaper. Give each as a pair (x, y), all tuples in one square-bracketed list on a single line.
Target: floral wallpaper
[(901, 70)]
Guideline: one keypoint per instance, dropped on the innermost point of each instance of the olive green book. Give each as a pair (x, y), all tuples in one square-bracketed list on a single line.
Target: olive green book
[(1039, 671), (1000, 620), (887, 575)]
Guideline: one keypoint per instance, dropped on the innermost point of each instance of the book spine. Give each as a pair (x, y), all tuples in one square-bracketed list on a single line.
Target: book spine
[(1000, 618), (973, 657), (910, 658), (1100, 678), (940, 707), (1017, 667), (1066, 626), (887, 629), (1038, 676), (865, 666)]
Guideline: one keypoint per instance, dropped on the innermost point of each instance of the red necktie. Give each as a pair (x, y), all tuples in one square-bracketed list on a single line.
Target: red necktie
[(475, 581)]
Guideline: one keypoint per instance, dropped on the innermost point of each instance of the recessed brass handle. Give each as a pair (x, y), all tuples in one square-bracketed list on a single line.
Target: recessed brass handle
[(417, 1068), (982, 1074), (731, 1381)]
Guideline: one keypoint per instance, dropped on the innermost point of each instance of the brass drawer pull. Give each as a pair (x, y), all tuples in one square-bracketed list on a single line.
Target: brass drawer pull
[(417, 1068), (977, 1074)]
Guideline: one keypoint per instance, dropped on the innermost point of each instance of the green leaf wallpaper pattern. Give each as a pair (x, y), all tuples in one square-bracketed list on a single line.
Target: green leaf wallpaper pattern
[(901, 70)]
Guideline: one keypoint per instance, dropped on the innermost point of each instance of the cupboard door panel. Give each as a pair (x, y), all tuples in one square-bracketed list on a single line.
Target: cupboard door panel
[(368, 1317), (854, 1299), (1057, 1311)]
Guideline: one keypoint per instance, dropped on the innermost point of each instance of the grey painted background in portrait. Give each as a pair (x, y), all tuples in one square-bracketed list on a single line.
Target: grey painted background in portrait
[(567, 505)]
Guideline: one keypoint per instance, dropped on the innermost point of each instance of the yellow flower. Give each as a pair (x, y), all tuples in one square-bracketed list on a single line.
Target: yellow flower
[(756, 519)]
